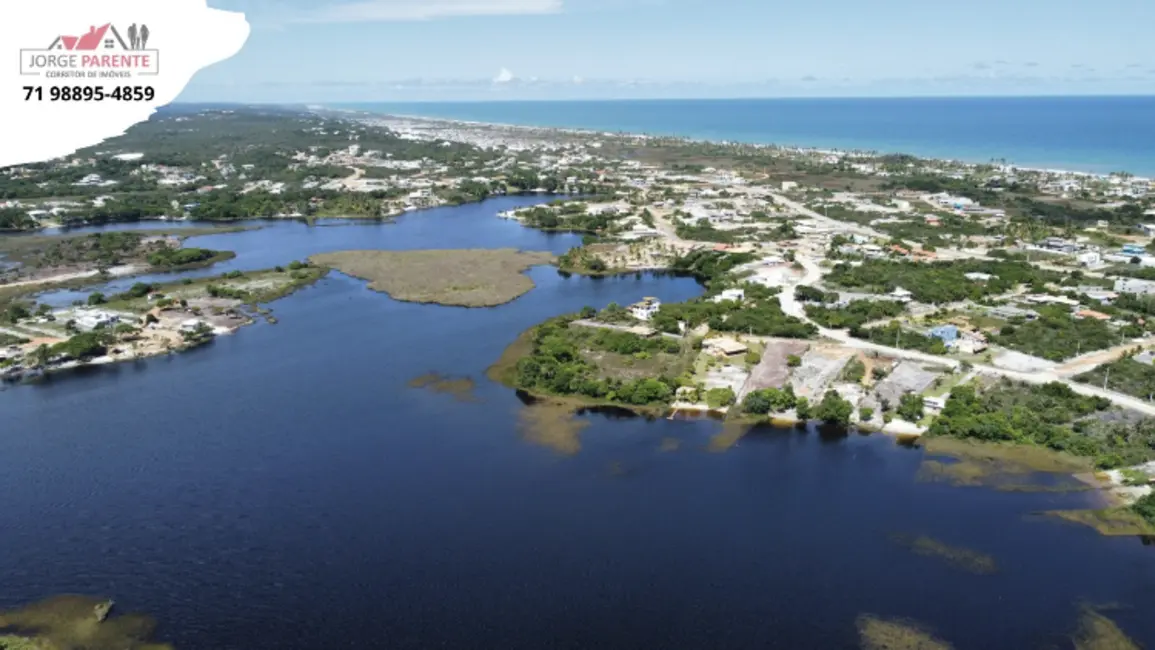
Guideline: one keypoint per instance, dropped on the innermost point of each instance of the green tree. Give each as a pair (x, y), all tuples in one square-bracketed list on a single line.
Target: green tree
[(910, 407), (834, 409), (854, 371), (650, 391), (769, 400), (756, 402), (865, 414), (16, 312), (793, 361), (1146, 507), (41, 356), (82, 346), (96, 298), (802, 408)]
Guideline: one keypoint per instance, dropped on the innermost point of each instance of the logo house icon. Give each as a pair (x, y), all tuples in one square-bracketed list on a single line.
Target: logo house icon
[(104, 37), (101, 49)]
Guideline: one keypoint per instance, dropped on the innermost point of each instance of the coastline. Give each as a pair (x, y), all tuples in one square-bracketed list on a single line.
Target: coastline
[(1059, 169)]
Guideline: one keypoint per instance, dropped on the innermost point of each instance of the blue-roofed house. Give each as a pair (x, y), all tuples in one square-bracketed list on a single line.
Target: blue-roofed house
[(945, 333)]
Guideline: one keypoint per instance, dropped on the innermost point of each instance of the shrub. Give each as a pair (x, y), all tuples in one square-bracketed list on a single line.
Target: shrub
[(719, 397)]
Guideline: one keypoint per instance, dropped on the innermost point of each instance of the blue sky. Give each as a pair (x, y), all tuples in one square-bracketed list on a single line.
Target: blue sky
[(423, 50)]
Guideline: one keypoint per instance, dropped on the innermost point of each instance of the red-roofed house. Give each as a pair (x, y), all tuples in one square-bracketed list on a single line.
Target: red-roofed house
[(1089, 313)]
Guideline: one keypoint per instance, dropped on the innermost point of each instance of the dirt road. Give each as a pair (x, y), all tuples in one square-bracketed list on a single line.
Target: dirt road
[(115, 271)]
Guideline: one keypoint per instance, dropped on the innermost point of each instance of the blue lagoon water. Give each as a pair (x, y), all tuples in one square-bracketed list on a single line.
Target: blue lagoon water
[(1096, 134), (285, 489)]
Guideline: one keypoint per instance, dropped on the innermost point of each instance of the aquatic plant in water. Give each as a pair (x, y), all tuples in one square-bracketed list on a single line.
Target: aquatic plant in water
[(75, 623), (896, 634)]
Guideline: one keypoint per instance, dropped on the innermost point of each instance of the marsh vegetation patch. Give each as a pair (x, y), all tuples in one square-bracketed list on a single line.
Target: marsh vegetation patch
[(460, 388), (75, 623), (1012, 468), (1097, 632), (896, 634), (463, 278), (731, 433), (552, 424), (963, 558), (1108, 521)]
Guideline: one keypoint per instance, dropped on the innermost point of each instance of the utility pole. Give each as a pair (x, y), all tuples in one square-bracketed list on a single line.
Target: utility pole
[(1106, 377)]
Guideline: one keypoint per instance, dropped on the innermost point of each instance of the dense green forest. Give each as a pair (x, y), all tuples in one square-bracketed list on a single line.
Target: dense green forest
[(856, 314), (1056, 335), (939, 282), (893, 335), (557, 364), (758, 314), (1049, 415), (707, 266)]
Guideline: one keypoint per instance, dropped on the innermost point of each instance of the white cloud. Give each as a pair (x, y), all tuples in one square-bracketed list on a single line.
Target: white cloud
[(504, 77), (403, 10)]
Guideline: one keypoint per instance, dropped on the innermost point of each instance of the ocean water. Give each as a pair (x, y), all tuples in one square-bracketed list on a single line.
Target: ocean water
[(1094, 134), (285, 489)]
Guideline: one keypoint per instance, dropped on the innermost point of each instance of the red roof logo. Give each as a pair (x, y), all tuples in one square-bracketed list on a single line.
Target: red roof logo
[(97, 38)]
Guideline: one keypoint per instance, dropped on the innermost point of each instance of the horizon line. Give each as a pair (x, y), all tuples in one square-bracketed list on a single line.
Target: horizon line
[(659, 99)]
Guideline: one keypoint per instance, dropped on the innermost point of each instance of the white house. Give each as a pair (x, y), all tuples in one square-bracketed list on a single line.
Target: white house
[(737, 295), (1134, 285), (934, 404), (90, 319), (901, 295), (190, 325), (645, 309), (1089, 258)]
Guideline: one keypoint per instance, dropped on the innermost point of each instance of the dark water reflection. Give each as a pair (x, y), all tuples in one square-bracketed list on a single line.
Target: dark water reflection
[(284, 488)]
